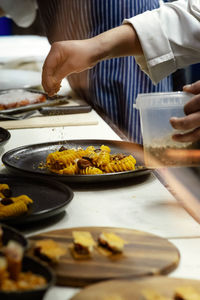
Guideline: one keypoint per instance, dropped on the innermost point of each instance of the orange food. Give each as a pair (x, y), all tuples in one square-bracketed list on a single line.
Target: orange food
[(17, 98)]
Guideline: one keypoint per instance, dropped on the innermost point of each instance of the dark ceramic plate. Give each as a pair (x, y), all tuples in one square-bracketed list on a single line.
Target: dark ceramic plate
[(56, 100), (30, 264), (4, 136), (10, 233), (27, 159), (49, 197)]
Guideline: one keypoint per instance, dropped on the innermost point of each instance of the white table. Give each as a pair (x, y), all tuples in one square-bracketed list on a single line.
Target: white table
[(146, 206)]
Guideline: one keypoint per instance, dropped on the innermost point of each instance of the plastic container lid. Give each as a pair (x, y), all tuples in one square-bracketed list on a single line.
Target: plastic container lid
[(162, 100)]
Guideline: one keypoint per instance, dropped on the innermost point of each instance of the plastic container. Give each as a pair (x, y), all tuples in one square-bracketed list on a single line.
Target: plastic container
[(156, 109)]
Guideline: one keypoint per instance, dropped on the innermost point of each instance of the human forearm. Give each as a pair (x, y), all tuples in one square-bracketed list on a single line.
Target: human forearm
[(69, 57), (117, 42)]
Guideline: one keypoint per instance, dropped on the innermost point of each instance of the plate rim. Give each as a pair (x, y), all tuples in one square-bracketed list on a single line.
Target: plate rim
[(7, 135)]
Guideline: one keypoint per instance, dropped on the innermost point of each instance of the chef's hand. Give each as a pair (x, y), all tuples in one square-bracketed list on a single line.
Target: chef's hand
[(192, 119), (65, 58), (69, 57)]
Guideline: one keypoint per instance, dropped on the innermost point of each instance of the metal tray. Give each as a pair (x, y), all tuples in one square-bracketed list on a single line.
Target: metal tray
[(51, 101)]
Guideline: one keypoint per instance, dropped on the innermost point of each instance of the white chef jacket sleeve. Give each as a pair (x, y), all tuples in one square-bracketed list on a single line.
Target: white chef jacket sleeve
[(169, 36), (22, 12)]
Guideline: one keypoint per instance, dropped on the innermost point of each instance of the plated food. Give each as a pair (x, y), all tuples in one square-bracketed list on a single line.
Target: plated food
[(19, 100), (11, 205), (47, 198), (19, 275), (89, 161), (91, 254), (84, 245), (48, 250), (19, 97), (31, 160), (111, 241), (147, 288)]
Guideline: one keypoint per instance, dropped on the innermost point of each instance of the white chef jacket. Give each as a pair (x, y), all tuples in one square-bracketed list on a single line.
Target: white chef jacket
[(169, 36), (22, 12)]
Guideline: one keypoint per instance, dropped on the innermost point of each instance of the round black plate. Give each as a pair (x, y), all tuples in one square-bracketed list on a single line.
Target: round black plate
[(34, 266), (4, 136), (26, 160), (49, 197), (9, 233)]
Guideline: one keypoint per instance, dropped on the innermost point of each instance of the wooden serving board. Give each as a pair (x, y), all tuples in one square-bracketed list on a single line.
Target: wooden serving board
[(144, 254), (134, 289)]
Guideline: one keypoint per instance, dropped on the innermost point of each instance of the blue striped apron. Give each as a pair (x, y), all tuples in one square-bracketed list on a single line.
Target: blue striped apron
[(113, 84)]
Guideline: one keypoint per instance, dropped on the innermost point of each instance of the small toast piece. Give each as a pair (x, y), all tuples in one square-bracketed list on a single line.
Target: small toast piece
[(186, 293), (111, 241), (48, 250), (83, 244)]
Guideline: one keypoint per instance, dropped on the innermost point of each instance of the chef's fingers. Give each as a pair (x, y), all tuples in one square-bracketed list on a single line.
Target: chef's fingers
[(193, 105), (189, 122), (52, 61), (193, 88), (192, 136)]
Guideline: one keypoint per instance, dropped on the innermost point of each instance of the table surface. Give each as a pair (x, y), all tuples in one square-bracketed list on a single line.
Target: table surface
[(144, 205), (138, 204)]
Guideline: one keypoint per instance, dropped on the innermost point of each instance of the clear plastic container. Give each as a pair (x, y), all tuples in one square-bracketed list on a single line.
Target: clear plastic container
[(156, 109)]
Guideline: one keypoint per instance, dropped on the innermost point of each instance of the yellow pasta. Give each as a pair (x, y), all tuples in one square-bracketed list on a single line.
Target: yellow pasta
[(89, 150), (105, 148), (60, 160), (89, 161), (3, 187), (13, 206), (71, 169), (23, 198), (90, 171), (14, 209), (124, 164)]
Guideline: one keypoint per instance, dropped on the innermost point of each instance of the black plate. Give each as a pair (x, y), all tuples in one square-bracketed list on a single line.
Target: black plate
[(55, 100), (4, 136), (49, 197), (9, 233), (30, 264), (25, 160)]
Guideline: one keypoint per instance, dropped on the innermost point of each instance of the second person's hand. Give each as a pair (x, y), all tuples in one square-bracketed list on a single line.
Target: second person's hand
[(191, 121)]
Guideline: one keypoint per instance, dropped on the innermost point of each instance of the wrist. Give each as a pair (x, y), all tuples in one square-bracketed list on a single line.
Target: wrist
[(117, 42)]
